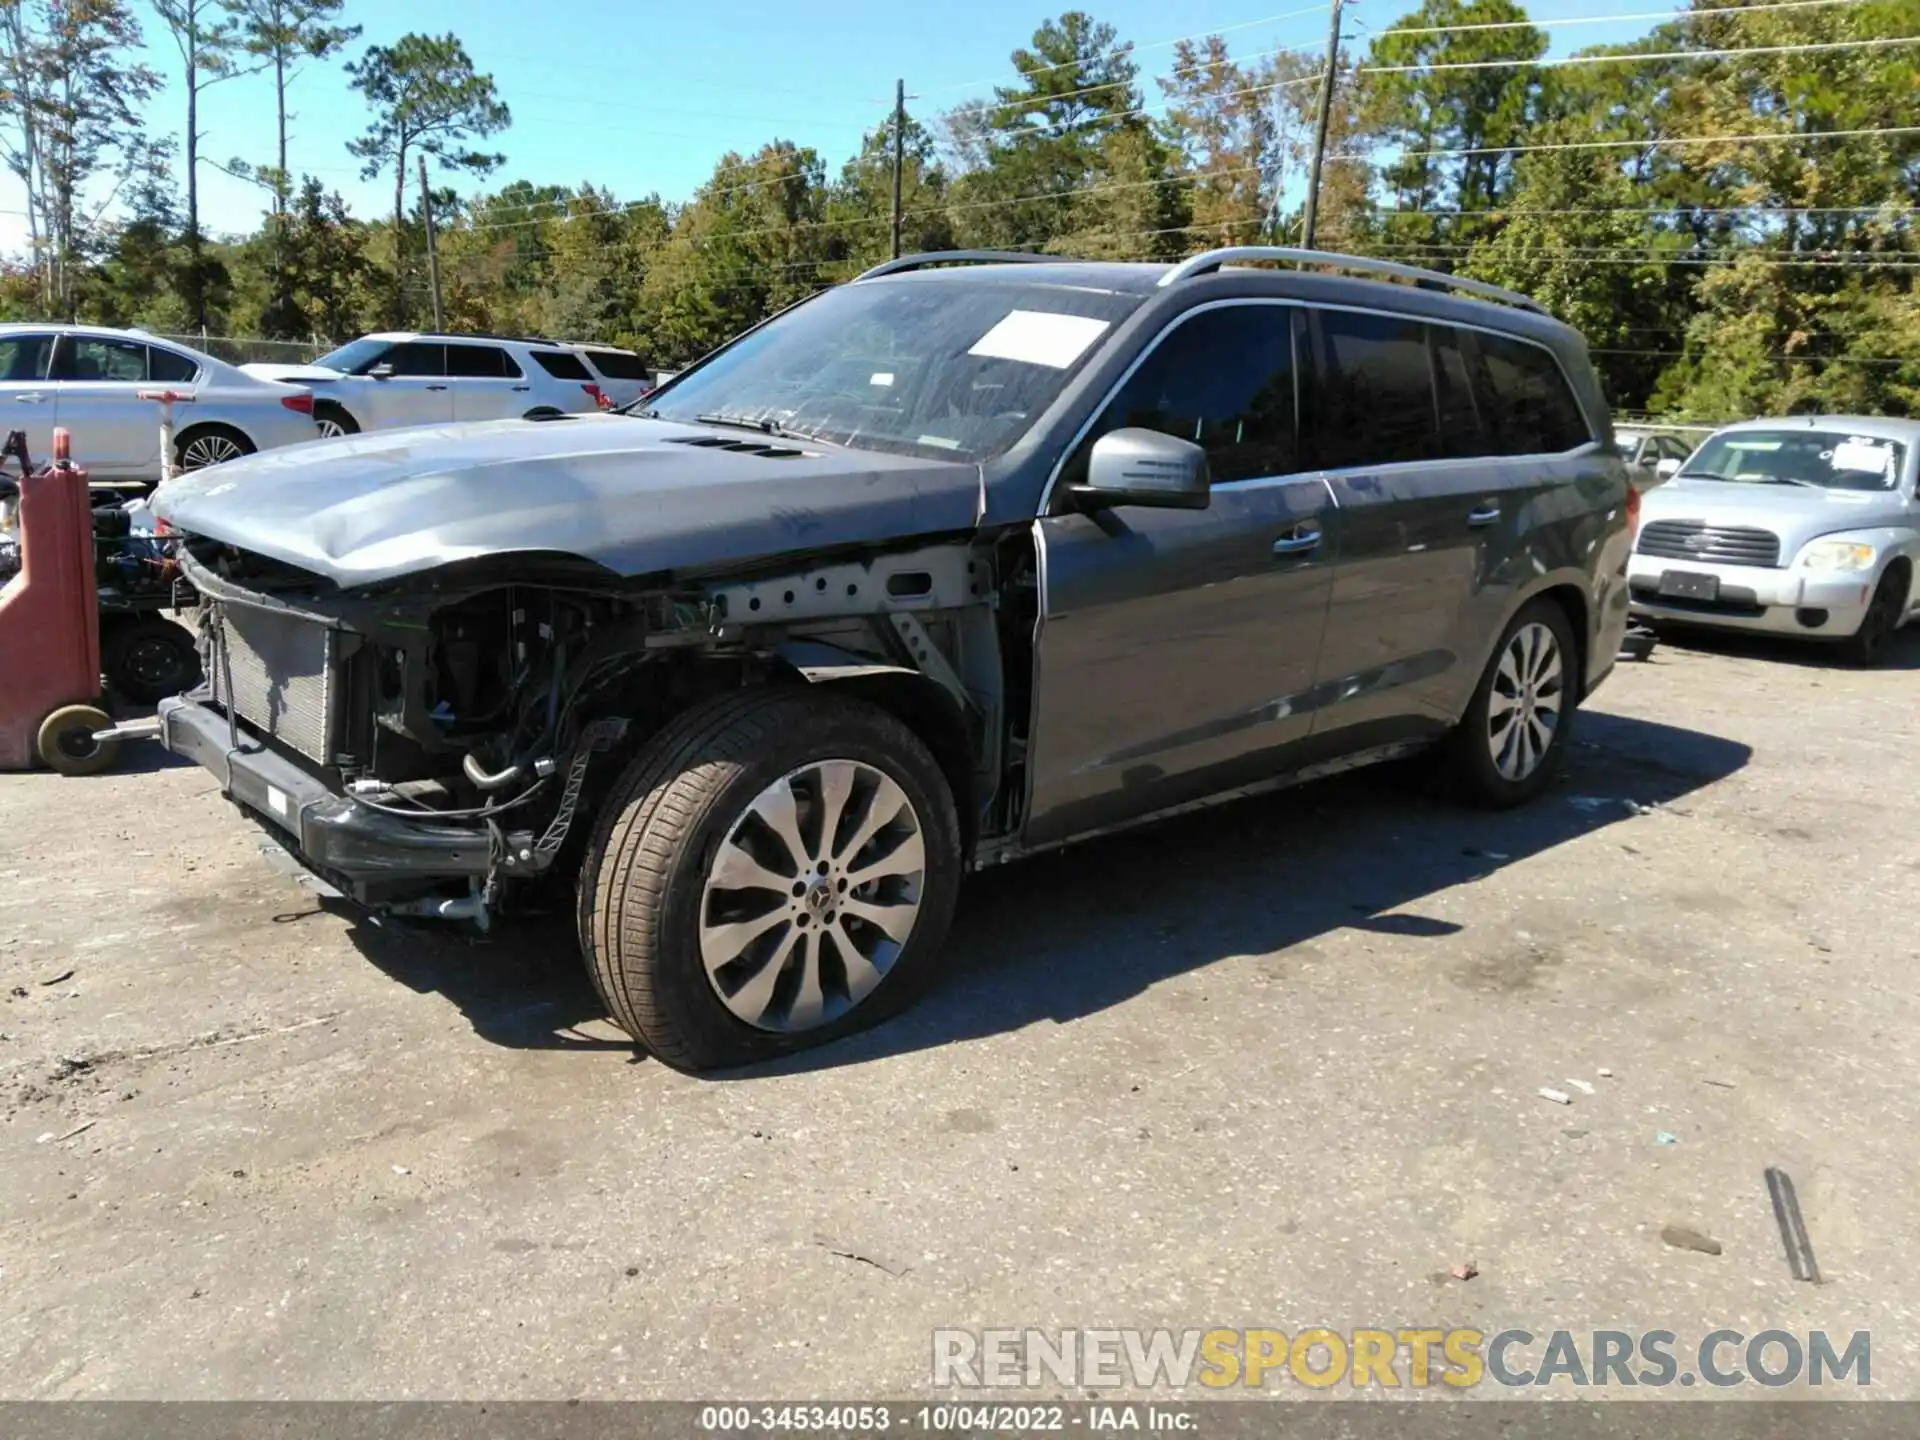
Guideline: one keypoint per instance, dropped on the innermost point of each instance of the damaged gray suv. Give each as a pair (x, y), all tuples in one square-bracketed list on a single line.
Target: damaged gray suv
[(973, 557)]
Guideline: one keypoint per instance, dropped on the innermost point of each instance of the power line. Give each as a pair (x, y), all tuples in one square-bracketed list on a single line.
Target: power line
[(1668, 15), (1126, 50), (1773, 137), (1638, 57)]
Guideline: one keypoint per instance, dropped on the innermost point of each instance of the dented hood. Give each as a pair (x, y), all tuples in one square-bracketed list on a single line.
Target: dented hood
[(635, 496)]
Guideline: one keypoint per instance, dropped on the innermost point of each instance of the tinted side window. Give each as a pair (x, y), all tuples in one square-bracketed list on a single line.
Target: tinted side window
[(1531, 409), (91, 358), (416, 357), (24, 357), (481, 362), (1224, 380), (1461, 427), (561, 364), (1374, 400), (170, 367), (618, 364)]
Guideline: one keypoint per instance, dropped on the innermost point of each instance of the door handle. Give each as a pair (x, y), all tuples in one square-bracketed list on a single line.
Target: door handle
[(1298, 541), (436, 387), (1485, 515), (34, 399), (522, 387)]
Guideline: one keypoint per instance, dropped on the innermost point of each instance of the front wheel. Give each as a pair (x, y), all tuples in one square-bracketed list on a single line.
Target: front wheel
[(1865, 645), (333, 422), (775, 869), (1513, 738)]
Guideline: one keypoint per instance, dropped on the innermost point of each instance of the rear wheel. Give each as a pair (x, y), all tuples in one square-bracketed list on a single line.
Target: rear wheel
[(206, 445), (1513, 738), (332, 421), (65, 742), (1865, 645), (775, 869)]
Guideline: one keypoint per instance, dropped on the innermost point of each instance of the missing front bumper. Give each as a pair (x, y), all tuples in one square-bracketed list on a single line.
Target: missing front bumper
[(372, 857)]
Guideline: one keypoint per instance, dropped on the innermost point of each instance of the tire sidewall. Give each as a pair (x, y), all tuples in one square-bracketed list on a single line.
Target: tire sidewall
[(1474, 759), (718, 793)]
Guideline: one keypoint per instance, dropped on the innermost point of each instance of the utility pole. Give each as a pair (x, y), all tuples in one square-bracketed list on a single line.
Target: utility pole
[(899, 154), (433, 248), (1320, 129)]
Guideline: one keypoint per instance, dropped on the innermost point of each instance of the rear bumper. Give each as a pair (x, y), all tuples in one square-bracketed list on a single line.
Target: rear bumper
[(1777, 602), (361, 851)]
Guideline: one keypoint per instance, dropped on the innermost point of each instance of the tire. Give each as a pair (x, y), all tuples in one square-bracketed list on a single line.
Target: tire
[(653, 918), (204, 445), (1867, 644), (66, 745), (148, 659), (332, 421), (1486, 761)]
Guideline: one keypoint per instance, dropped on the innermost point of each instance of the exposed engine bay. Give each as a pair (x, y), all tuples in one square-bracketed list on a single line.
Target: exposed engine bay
[(472, 698)]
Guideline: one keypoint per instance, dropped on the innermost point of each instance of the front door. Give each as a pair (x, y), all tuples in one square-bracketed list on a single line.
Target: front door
[(1177, 648), (411, 388), (98, 380), (27, 398)]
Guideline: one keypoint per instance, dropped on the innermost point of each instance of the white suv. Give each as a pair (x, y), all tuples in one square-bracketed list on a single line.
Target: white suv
[(379, 382)]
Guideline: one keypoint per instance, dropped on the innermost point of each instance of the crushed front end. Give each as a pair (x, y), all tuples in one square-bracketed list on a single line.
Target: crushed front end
[(421, 747)]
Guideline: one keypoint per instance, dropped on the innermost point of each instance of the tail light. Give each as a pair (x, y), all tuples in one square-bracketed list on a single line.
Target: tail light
[(1633, 511), (302, 402), (600, 397), (160, 527)]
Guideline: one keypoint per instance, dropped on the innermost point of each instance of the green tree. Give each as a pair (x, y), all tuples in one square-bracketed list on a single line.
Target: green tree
[(1220, 117), (69, 113), (860, 205), (206, 39), (427, 99), (280, 34)]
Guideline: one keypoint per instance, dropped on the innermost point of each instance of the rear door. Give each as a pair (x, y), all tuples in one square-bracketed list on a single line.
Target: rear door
[(1177, 648), (415, 393), (1412, 505), (487, 383), (98, 380), (27, 396)]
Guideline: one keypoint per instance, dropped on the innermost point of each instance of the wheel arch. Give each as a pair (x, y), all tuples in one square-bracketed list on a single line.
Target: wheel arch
[(911, 698)]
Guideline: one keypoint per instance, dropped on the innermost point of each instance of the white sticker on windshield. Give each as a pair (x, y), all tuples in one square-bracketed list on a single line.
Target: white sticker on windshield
[(880, 377), (1039, 337), (1870, 456)]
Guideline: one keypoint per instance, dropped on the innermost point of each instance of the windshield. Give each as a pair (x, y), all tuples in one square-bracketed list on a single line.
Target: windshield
[(354, 354), (944, 368), (1827, 459)]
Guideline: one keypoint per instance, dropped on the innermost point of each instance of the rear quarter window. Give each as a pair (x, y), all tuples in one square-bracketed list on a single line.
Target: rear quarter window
[(618, 364), (561, 364), (1529, 405), (169, 366)]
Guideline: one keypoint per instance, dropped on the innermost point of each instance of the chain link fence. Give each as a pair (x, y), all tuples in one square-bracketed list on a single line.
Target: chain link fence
[(243, 350)]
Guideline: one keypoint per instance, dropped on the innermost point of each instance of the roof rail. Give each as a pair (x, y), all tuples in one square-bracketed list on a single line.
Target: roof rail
[(930, 258), (1213, 260)]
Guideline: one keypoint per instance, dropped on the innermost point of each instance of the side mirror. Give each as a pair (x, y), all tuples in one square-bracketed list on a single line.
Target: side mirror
[(1667, 468), (1145, 467), (382, 371)]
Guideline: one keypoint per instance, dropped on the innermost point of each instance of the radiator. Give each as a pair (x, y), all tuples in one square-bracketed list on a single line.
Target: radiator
[(282, 671)]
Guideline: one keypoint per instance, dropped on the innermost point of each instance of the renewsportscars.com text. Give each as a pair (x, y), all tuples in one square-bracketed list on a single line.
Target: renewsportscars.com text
[(1398, 1358)]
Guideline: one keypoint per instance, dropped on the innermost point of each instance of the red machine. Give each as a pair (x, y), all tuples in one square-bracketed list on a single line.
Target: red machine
[(50, 625)]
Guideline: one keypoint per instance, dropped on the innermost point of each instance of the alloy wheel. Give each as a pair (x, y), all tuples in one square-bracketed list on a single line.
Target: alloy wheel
[(812, 895), (205, 450), (329, 428), (1523, 712)]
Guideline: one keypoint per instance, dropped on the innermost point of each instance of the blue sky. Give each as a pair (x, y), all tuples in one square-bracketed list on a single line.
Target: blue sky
[(643, 98)]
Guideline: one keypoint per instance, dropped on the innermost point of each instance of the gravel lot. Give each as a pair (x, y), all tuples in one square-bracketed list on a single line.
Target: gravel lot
[(1273, 1066)]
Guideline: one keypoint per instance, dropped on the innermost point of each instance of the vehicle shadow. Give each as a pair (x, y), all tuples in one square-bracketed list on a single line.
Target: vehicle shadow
[(1900, 652), (521, 986), (1070, 934)]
